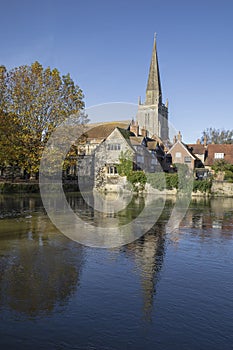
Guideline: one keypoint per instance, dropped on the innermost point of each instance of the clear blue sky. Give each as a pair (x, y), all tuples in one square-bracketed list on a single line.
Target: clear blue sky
[(106, 47)]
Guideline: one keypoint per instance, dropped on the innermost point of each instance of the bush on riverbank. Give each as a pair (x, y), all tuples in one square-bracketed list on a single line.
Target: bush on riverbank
[(8, 187), (203, 186), (225, 168), (162, 181)]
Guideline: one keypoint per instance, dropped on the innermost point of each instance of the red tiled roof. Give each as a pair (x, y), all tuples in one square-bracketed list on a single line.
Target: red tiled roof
[(197, 148), (226, 149)]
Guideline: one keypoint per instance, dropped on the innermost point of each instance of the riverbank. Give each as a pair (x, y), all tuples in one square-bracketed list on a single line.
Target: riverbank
[(28, 187), (218, 189)]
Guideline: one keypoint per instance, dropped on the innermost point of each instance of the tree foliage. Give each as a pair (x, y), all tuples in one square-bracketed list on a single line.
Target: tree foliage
[(33, 102), (203, 186), (125, 168), (222, 166), (182, 180), (212, 135)]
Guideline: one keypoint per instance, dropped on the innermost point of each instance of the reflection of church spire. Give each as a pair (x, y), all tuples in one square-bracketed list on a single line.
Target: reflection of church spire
[(154, 91), (149, 256)]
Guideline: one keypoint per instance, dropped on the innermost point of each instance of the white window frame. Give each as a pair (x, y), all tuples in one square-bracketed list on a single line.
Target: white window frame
[(218, 155)]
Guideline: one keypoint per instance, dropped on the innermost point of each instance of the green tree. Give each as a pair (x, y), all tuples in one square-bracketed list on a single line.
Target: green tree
[(212, 135), (222, 166), (33, 101), (125, 168)]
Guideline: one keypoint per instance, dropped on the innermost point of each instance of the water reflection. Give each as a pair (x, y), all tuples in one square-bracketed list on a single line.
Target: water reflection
[(18, 205), (149, 293), (39, 268), (210, 216), (148, 254)]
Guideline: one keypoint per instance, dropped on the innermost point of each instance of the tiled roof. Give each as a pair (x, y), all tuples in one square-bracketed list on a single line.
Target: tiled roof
[(197, 148), (226, 149), (103, 130), (151, 145), (157, 139), (136, 140), (185, 147)]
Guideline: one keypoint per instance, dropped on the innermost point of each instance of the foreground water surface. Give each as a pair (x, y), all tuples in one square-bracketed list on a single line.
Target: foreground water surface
[(164, 291)]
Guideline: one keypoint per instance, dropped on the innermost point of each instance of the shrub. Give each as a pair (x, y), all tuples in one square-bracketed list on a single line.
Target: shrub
[(203, 186), (156, 180), (137, 179), (228, 175), (162, 180)]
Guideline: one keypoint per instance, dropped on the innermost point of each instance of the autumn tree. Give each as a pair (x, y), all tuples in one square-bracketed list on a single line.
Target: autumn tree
[(33, 102), (212, 135)]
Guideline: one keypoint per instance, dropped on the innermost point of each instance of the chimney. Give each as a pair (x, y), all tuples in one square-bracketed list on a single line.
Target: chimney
[(198, 142), (205, 141), (144, 132), (174, 139), (179, 136), (134, 128)]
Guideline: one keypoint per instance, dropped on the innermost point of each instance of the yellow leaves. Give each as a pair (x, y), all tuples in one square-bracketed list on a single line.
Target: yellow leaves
[(36, 101)]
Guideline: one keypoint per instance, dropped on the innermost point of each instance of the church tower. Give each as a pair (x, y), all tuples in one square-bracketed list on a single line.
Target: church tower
[(153, 114)]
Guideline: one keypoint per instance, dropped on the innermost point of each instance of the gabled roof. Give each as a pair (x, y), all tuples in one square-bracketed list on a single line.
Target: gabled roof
[(103, 130), (185, 148), (125, 135), (197, 148), (226, 149), (157, 139), (136, 140), (151, 145)]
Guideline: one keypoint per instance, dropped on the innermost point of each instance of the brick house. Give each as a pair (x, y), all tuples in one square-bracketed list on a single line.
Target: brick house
[(183, 154), (198, 149), (217, 152)]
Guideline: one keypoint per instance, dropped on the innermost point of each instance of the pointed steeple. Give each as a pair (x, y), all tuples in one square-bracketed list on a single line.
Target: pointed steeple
[(154, 91)]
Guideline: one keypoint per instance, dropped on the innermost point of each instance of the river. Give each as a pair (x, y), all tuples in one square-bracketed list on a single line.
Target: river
[(166, 290)]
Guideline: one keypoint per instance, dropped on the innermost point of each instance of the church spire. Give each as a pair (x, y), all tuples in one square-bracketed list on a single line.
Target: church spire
[(154, 91)]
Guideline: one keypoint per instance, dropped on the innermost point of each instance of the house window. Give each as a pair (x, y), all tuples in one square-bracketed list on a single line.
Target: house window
[(112, 170), (140, 159), (218, 155), (187, 159), (178, 154), (113, 147)]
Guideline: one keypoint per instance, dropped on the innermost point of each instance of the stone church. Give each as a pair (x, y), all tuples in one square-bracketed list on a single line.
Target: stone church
[(146, 138), (152, 115)]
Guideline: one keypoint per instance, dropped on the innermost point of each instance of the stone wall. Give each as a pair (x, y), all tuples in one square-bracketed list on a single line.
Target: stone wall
[(222, 188)]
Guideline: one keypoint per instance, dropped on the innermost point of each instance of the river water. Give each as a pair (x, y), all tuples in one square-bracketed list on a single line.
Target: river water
[(164, 291)]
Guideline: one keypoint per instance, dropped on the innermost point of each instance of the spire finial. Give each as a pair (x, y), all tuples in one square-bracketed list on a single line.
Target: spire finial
[(155, 35)]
